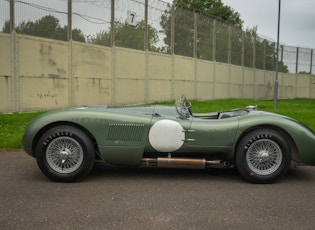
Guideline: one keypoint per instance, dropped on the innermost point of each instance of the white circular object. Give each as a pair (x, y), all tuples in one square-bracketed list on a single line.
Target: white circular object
[(166, 136)]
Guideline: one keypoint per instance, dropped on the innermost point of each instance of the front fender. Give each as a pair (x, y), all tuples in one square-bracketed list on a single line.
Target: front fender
[(301, 135)]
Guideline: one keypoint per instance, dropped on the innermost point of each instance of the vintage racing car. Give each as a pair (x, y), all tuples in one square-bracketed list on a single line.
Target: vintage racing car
[(261, 145)]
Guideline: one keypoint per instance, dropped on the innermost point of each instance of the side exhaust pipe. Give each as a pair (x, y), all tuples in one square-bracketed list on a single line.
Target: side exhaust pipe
[(189, 163)]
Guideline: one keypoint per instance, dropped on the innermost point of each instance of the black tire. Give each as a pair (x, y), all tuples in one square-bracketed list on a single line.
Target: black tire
[(263, 156), (65, 154)]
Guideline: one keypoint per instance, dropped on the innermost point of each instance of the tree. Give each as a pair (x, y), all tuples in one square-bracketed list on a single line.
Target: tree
[(46, 27), (220, 22), (128, 36), (6, 27), (304, 72), (214, 8), (184, 25)]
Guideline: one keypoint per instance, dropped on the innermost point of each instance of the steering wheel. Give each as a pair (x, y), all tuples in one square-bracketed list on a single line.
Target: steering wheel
[(183, 107), (187, 105)]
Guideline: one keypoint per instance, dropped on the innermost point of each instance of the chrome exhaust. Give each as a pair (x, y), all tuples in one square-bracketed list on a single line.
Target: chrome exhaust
[(190, 163)]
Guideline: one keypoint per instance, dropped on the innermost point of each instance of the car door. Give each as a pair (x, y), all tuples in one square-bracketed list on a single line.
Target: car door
[(212, 133)]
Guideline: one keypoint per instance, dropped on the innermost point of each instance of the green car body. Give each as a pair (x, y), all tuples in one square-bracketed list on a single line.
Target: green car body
[(168, 136)]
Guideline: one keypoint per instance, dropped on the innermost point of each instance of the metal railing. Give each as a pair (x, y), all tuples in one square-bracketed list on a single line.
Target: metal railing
[(153, 25)]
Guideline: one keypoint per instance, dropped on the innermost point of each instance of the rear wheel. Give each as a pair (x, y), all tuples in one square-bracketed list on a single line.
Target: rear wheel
[(65, 153), (263, 156)]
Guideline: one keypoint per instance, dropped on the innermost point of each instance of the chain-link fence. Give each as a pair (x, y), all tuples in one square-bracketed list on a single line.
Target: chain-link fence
[(153, 25)]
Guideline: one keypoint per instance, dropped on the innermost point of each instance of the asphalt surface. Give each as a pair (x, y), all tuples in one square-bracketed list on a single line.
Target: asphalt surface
[(152, 199)]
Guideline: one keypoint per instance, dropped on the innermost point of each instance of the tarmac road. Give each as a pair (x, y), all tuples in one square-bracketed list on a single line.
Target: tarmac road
[(152, 199)]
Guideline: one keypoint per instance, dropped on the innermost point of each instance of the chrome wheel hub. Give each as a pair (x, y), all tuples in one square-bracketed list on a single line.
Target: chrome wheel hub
[(264, 157)]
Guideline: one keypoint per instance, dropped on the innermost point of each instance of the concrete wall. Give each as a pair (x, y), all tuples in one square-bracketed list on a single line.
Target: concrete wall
[(5, 73), (41, 74)]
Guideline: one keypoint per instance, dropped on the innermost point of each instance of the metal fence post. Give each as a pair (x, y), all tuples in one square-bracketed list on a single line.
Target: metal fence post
[(230, 45), (12, 21), (69, 32), (311, 64), (214, 43), (281, 58), (254, 52), (112, 22), (297, 60), (146, 39), (243, 49), (172, 30), (264, 55), (276, 84), (195, 35)]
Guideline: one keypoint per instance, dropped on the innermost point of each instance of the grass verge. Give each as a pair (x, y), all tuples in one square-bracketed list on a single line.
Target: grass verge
[(12, 125), (11, 129)]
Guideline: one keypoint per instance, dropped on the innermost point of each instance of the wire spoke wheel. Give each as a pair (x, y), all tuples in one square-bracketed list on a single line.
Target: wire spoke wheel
[(264, 157), (64, 155)]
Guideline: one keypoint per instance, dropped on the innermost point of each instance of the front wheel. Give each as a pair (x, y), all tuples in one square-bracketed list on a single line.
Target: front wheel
[(65, 153), (263, 156)]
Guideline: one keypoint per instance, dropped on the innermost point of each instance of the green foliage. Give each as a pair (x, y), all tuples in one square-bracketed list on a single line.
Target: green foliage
[(184, 25), (128, 36), (12, 127), (46, 27), (304, 72), (6, 27), (215, 8), (228, 33)]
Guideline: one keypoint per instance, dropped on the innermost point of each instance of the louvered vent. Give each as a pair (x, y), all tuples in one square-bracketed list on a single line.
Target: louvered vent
[(125, 132), (126, 106)]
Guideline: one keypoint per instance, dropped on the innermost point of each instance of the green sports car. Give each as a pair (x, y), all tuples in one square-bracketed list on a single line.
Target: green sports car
[(261, 145)]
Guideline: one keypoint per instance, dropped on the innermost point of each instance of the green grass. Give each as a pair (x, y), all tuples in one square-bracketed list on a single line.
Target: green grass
[(12, 125)]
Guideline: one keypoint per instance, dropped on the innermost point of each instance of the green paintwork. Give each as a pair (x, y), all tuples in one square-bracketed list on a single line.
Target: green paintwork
[(121, 133)]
